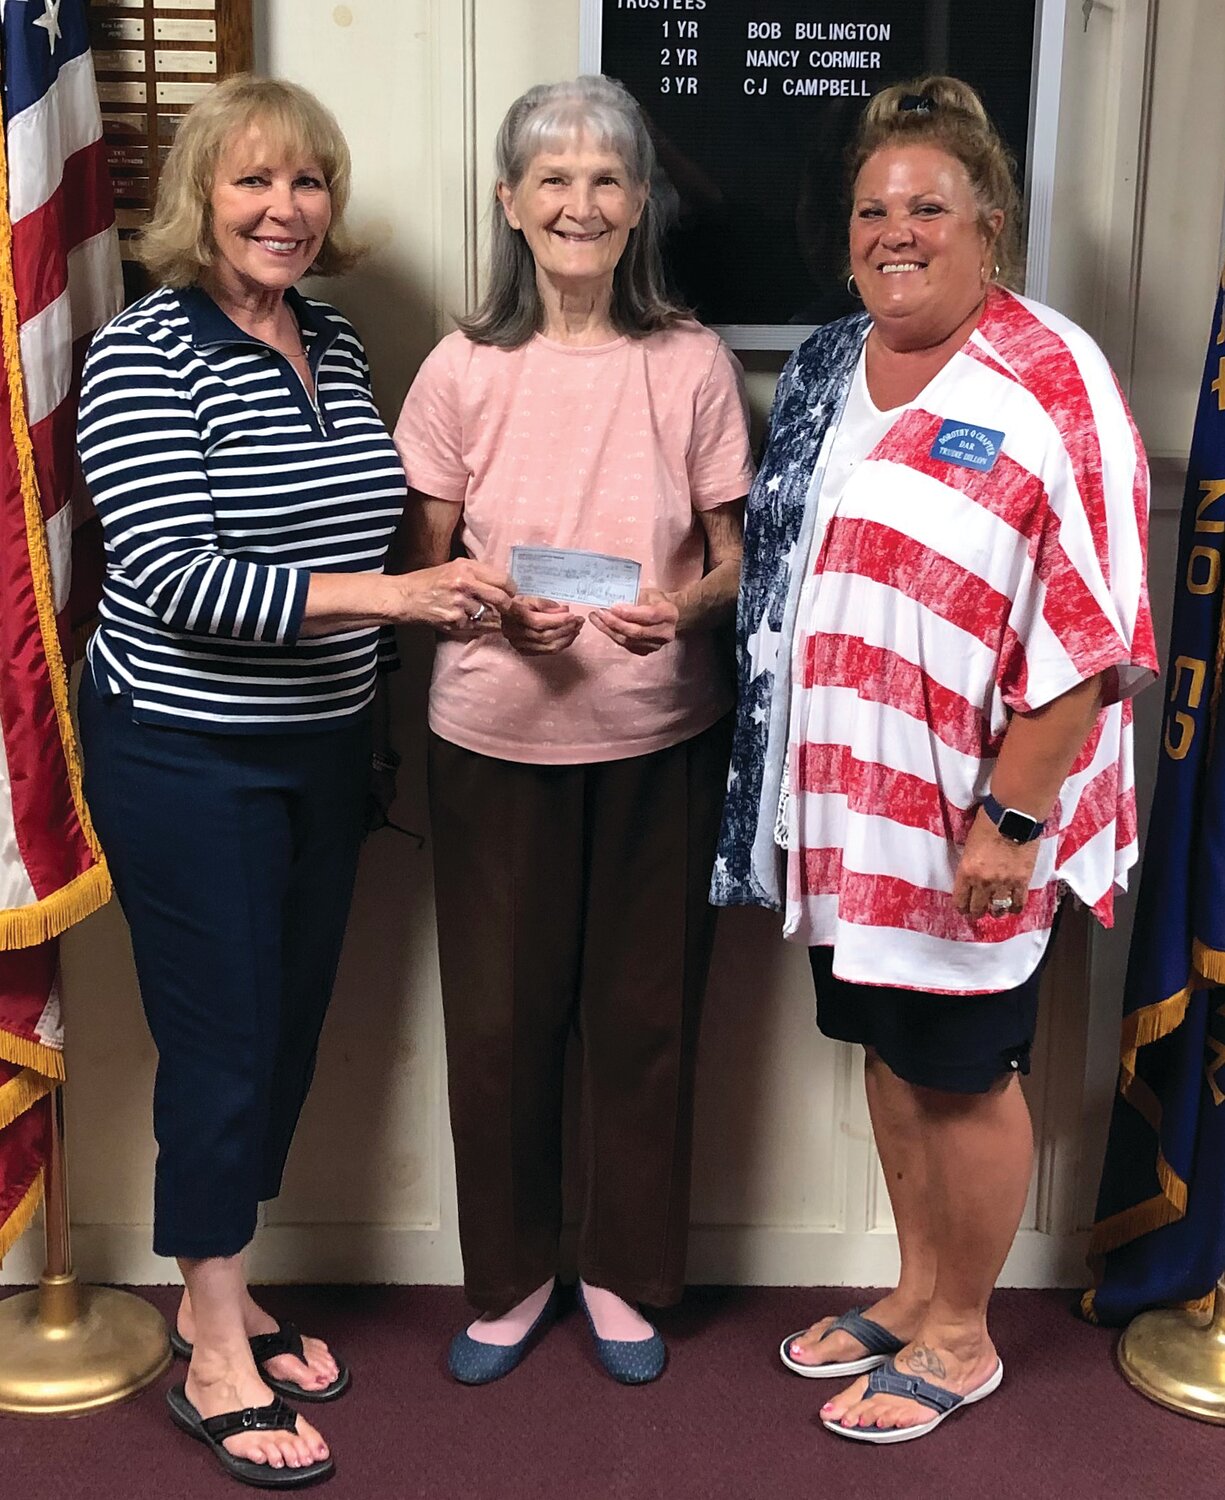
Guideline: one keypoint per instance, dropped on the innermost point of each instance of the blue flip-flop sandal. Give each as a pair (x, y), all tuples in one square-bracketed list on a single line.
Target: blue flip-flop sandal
[(888, 1380), (878, 1341)]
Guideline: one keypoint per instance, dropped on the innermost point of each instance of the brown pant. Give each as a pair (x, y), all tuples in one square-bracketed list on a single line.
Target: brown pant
[(574, 896)]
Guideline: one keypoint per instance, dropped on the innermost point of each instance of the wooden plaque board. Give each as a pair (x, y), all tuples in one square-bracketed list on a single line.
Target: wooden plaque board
[(153, 59)]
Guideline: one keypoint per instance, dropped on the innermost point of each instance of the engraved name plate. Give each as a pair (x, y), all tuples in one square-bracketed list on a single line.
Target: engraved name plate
[(181, 93), (120, 28), (121, 93), (127, 158), (168, 125), (119, 62), (131, 190), (185, 62), (124, 125), (184, 31), (185, 4)]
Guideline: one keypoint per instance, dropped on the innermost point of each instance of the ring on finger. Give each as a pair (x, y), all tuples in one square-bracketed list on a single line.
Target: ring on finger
[(476, 614), (1000, 905)]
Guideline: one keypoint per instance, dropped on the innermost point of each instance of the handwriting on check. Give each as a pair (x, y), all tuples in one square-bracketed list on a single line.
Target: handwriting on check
[(575, 577)]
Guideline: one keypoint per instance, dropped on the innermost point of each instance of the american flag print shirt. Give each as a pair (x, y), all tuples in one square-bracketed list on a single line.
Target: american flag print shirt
[(986, 557)]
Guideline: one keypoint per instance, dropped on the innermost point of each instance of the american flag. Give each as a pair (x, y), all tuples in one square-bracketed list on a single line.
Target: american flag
[(59, 281)]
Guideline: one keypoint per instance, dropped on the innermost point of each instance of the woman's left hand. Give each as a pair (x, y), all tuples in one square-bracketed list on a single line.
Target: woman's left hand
[(642, 628), (993, 868)]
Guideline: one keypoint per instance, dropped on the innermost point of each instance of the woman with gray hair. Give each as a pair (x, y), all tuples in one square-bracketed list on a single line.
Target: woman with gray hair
[(577, 755)]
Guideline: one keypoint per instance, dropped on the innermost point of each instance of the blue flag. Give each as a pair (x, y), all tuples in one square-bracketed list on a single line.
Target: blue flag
[(1160, 1231)]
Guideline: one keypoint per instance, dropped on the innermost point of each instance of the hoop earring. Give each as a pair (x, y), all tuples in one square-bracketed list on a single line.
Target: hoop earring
[(852, 290)]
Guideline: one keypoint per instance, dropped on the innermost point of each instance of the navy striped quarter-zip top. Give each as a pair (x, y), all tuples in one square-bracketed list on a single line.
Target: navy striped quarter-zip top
[(221, 485)]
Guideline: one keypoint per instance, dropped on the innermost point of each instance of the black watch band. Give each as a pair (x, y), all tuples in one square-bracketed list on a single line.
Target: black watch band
[(1017, 827)]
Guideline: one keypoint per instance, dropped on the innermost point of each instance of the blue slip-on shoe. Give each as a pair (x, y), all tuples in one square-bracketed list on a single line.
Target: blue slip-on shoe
[(474, 1363), (879, 1342), (630, 1361), (888, 1380)]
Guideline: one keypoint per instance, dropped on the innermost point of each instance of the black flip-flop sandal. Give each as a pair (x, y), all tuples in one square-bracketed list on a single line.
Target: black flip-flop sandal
[(266, 1346), (277, 1416)]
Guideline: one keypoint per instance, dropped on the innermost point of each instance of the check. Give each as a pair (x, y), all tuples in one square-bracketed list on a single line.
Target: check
[(575, 577)]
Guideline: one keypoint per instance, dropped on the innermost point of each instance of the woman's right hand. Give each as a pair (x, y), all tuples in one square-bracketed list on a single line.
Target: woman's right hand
[(540, 627), (460, 598)]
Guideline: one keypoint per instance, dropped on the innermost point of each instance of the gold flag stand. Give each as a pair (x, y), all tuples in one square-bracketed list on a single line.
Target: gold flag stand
[(67, 1348), (1177, 1358)]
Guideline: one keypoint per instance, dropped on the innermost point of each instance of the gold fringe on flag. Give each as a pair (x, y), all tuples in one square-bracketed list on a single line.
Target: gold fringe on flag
[(24, 1053), (1209, 961), (1197, 1305), (50, 916), (25, 926), (1140, 1029), (18, 1221), (22, 1093)]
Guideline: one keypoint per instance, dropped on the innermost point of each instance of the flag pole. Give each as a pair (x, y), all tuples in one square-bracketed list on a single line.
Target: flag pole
[(1176, 1357), (67, 1348)]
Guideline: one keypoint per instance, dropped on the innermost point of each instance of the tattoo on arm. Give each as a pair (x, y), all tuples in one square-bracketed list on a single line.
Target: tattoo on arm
[(924, 1360)]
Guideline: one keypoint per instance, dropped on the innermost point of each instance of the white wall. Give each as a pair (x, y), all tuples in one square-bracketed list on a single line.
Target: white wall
[(786, 1187)]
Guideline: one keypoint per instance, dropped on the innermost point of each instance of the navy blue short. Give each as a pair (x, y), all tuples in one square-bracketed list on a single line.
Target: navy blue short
[(960, 1044)]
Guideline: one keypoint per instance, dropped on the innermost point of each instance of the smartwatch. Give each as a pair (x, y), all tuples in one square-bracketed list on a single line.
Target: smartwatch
[(1017, 827)]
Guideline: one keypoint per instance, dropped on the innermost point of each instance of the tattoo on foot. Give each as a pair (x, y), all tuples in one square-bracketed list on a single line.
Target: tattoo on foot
[(924, 1360)]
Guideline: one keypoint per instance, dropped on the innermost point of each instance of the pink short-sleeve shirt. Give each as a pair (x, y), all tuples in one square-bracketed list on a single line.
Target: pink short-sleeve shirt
[(611, 449)]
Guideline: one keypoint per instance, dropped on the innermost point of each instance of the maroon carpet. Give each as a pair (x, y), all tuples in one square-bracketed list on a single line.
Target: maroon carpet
[(726, 1422)]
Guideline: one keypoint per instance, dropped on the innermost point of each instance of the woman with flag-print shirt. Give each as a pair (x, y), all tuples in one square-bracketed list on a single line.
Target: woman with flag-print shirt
[(943, 615)]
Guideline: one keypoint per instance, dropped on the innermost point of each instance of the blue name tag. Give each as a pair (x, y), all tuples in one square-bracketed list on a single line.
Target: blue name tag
[(969, 447)]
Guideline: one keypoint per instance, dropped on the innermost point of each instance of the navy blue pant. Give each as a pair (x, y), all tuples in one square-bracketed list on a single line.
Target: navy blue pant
[(233, 857)]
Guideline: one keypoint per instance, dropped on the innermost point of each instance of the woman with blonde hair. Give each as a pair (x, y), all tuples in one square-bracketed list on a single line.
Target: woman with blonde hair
[(247, 491), (942, 616)]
